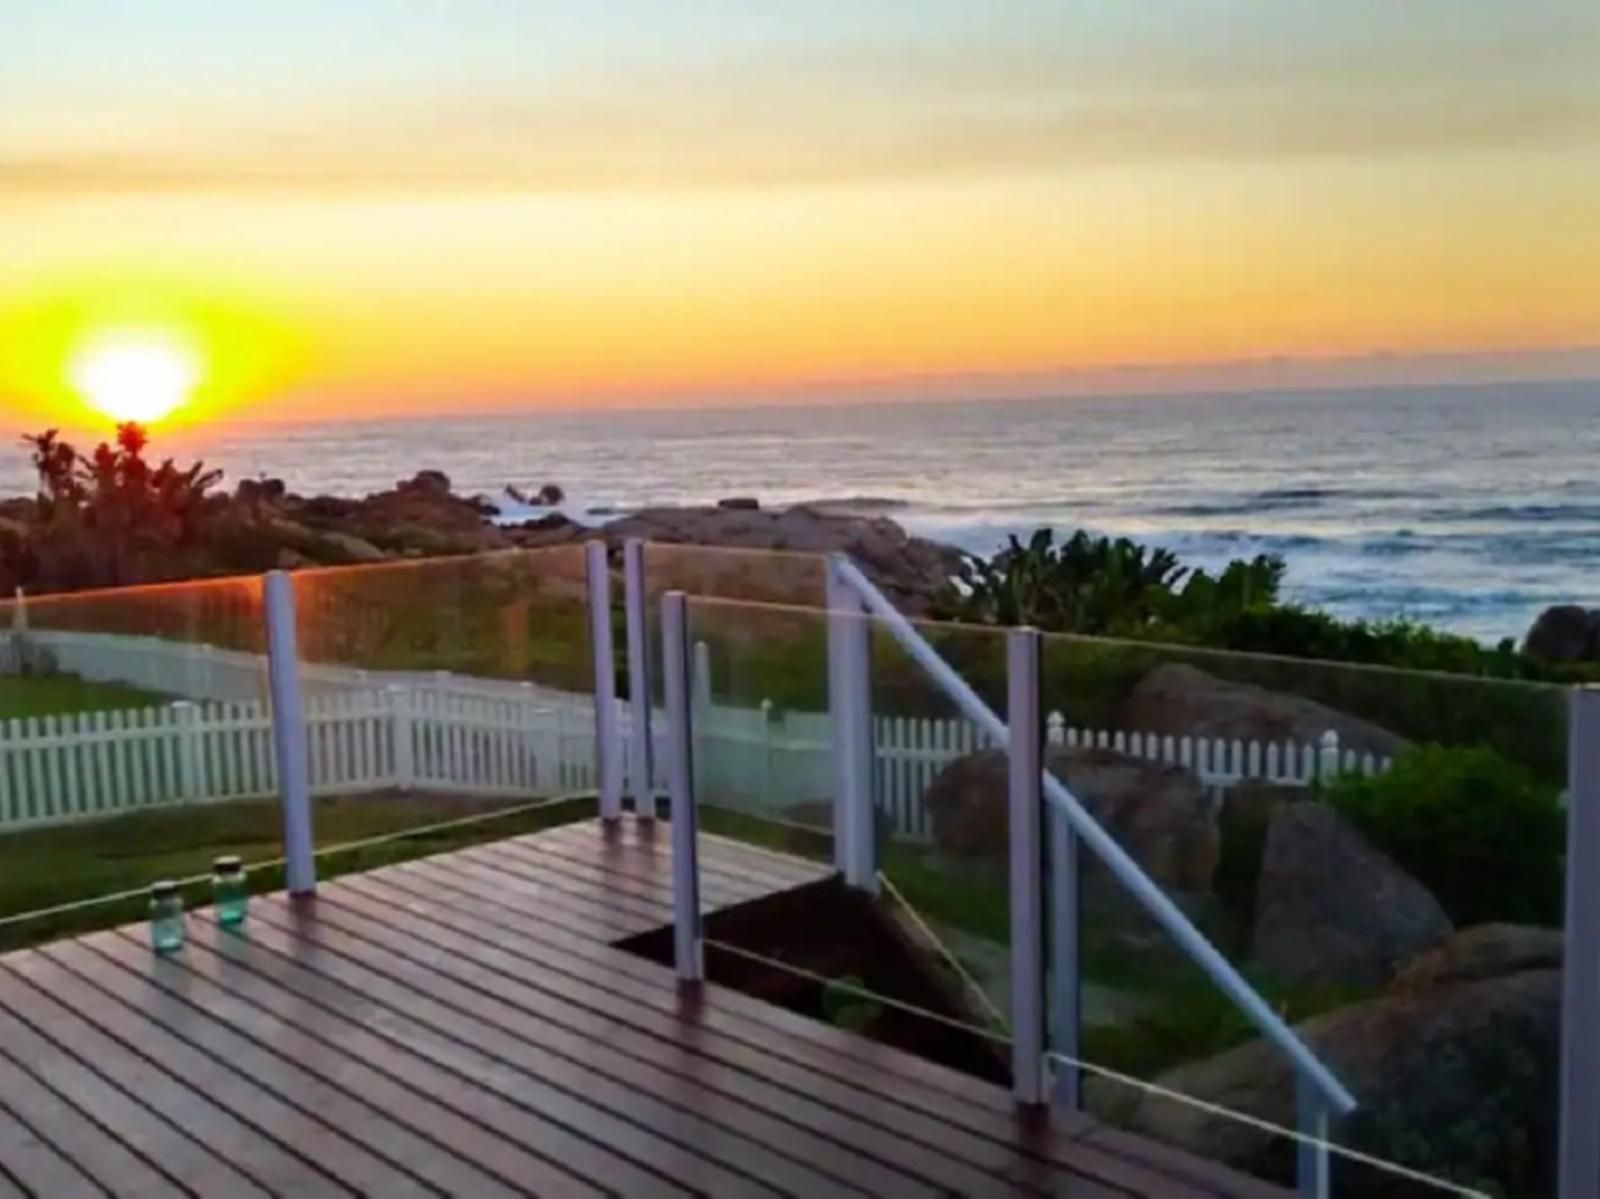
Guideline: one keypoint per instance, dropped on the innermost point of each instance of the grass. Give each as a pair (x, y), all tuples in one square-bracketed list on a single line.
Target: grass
[(40, 868), (55, 694)]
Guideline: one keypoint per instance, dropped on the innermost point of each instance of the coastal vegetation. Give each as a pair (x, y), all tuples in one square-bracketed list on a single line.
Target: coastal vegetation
[(1099, 586)]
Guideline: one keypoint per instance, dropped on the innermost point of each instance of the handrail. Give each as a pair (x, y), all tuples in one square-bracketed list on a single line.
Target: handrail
[(1113, 856)]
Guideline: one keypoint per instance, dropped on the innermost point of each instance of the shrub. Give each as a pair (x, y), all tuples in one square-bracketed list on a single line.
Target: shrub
[(1482, 833)]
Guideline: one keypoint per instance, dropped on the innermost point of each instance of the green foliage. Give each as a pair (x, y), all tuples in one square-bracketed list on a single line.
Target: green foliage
[(1482, 833), (1099, 587), (109, 517), (844, 1006)]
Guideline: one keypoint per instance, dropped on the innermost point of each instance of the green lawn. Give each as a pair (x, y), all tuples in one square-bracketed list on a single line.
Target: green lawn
[(53, 694), (44, 867)]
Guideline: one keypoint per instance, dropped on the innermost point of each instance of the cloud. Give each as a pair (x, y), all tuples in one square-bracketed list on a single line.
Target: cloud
[(775, 120)]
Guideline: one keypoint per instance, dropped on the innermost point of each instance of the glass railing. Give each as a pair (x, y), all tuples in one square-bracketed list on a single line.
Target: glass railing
[(1378, 852), (941, 793), (764, 764), (444, 701), (891, 958), (1373, 857), (442, 689), (135, 746)]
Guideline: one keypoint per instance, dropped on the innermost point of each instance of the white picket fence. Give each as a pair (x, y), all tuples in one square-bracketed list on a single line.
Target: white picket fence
[(59, 768), (371, 730), (771, 761)]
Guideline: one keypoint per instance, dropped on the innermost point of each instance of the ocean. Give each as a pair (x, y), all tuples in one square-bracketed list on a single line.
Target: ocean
[(1470, 508)]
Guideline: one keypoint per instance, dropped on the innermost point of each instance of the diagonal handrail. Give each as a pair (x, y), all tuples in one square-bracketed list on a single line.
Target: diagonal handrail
[(1116, 859)]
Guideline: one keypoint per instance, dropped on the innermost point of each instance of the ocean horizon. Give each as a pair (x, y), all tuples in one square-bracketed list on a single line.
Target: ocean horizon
[(1470, 508)]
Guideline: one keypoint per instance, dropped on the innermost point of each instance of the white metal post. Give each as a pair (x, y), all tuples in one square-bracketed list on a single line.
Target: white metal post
[(1313, 1179), (1580, 981), (639, 756), (289, 732), (1066, 1019), (850, 700), (607, 735), (1027, 875), (688, 949)]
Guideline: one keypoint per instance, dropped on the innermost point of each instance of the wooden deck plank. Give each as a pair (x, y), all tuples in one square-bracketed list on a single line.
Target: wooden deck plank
[(644, 852), (317, 1159), (561, 1124), (427, 1135), (342, 1136), (520, 1147), (31, 1165), (507, 902), (514, 1036), (127, 1117), (101, 1157), (73, 1014), (935, 1150), (780, 1115), (466, 1024)]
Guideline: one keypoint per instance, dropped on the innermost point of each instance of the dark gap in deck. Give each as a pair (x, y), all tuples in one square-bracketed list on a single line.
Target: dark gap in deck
[(831, 930)]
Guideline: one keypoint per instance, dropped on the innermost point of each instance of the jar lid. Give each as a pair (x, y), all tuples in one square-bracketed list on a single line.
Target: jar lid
[(227, 864), (165, 889)]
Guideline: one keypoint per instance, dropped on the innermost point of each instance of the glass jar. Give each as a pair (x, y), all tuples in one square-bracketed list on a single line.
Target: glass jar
[(229, 891), (166, 917)]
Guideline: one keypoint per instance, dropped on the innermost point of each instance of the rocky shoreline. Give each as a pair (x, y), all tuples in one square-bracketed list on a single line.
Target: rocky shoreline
[(261, 525)]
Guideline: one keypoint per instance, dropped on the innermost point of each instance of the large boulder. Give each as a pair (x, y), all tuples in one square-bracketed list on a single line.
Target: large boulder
[(1180, 700), (1159, 813), (1564, 633), (910, 570), (1458, 1080), (1484, 951), (338, 548), (1330, 908)]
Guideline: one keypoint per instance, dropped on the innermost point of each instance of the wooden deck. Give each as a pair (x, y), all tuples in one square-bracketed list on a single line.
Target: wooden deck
[(464, 1025)]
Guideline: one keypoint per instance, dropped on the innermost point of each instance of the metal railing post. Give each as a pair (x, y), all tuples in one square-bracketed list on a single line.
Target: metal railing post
[(1066, 1020), (639, 748), (607, 735), (688, 948), (1312, 1177), (1579, 1163), (1027, 874), (289, 732), (850, 701)]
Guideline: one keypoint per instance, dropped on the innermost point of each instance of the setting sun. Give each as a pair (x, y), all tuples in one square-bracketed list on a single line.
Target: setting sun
[(134, 377)]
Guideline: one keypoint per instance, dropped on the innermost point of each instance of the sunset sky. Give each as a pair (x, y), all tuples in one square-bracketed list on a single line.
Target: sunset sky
[(435, 205)]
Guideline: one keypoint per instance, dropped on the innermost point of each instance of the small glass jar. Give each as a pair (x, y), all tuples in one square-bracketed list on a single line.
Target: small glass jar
[(229, 891), (166, 917)]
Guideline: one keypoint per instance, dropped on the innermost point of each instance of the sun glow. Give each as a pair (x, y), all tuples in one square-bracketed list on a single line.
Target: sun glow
[(139, 377)]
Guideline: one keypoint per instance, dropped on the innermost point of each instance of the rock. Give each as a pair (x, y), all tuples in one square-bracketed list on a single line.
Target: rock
[(1484, 951), (1159, 813), (740, 503), (550, 495), (260, 491), (325, 509), (1459, 1080), (289, 559), (336, 548), (1332, 909), (1180, 700), (1564, 633), (432, 483), (910, 570)]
